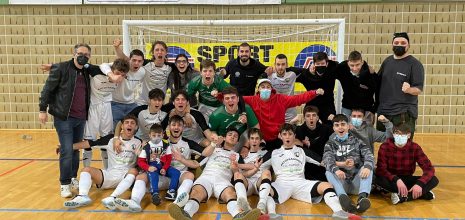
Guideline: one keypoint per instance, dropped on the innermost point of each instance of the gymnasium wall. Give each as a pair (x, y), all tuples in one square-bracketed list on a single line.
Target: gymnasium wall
[(32, 35)]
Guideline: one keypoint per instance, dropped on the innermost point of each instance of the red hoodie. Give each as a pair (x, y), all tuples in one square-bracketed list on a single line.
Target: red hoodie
[(271, 113)]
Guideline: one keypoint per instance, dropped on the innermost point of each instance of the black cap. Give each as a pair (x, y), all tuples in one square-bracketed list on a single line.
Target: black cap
[(401, 34)]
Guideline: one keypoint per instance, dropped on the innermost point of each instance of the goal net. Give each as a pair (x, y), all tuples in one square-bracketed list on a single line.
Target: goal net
[(219, 40)]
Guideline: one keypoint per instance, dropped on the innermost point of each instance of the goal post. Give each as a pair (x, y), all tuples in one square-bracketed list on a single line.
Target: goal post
[(218, 40)]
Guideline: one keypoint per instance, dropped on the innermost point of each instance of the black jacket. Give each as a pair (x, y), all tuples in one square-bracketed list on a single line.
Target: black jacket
[(58, 90), (245, 78)]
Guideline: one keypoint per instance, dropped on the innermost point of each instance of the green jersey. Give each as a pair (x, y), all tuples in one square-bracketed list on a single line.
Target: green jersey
[(220, 120), (205, 97)]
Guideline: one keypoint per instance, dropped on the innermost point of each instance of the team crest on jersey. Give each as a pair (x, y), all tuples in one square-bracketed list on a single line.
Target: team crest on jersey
[(297, 154), (133, 146), (181, 149), (237, 74), (174, 51), (305, 57), (287, 79)]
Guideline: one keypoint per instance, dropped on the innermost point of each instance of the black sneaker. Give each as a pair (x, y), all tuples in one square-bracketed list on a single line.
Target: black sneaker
[(347, 203), (428, 196), (170, 195), (363, 204), (156, 199)]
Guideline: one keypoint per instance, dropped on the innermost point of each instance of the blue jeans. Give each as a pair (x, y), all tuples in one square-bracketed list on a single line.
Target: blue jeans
[(69, 132), (119, 110), (353, 187), (172, 173)]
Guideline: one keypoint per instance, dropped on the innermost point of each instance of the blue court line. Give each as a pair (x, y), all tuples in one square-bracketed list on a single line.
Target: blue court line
[(218, 214)]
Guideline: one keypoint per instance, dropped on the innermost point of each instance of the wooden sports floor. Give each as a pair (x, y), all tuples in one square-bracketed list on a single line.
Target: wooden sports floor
[(29, 186)]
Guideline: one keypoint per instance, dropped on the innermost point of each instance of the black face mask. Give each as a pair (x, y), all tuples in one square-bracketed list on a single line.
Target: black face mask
[(320, 70), (82, 60), (398, 50)]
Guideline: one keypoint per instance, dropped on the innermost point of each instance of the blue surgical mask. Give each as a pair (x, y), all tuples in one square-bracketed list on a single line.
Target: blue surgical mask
[(265, 94), (400, 139), (343, 138), (357, 122)]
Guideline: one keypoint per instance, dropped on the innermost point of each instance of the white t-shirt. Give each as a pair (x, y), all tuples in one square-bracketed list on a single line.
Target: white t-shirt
[(184, 148), (219, 164), (252, 158), (283, 85), (125, 91), (101, 89), (126, 158), (155, 77)]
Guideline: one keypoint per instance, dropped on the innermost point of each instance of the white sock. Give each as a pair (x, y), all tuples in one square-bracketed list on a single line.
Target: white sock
[(104, 155), (241, 192), (332, 200), (191, 207), (270, 205), (233, 208), (185, 186), (124, 185), (264, 192), (85, 182), (138, 191), (86, 158)]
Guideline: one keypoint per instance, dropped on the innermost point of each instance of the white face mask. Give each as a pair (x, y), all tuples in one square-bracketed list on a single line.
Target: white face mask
[(400, 139), (156, 140), (357, 122), (265, 94)]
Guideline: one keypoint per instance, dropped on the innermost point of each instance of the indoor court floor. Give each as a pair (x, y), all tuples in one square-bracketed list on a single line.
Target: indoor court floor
[(29, 182)]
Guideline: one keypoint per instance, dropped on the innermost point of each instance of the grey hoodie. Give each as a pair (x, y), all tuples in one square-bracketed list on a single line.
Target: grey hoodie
[(369, 135), (353, 148)]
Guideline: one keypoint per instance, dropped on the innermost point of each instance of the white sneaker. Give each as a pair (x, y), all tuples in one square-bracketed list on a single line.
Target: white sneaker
[(78, 201), (127, 205), (243, 203), (65, 191), (182, 199), (274, 216), (395, 198), (262, 206), (74, 184), (109, 203)]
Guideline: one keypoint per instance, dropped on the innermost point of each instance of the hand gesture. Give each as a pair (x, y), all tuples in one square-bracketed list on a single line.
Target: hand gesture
[(223, 72), (163, 172), (269, 70), (214, 93), (416, 191), (176, 154), (349, 164), (234, 165), (242, 119), (45, 67), (371, 69), (306, 142), (312, 69), (188, 121), (401, 188), (152, 169), (364, 173), (382, 119), (117, 145), (320, 91), (258, 163), (117, 42), (330, 117), (340, 174), (115, 78), (405, 87), (218, 141), (43, 117)]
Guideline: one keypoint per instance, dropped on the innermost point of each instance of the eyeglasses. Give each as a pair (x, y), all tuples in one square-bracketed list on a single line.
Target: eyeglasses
[(83, 54), (181, 61)]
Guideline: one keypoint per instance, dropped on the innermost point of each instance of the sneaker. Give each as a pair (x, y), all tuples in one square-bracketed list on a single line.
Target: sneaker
[(345, 215), (243, 204), (170, 195), (156, 199), (262, 206), (109, 203), (78, 201), (74, 184), (178, 213), (65, 191), (248, 215), (274, 216), (395, 199), (433, 196), (428, 196), (346, 203), (127, 205), (182, 199), (363, 204)]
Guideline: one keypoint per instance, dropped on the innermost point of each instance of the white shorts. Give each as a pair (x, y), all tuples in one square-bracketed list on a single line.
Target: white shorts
[(252, 188), (213, 185), (206, 110), (296, 189), (111, 178), (99, 122)]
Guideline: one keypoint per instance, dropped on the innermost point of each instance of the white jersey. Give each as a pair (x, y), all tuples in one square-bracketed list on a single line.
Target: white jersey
[(289, 164), (124, 92), (219, 165), (193, 132), (101, 89), (126, 158), (146, 120), (184, 148), (252, 158), (155, 77), (285, 85)]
